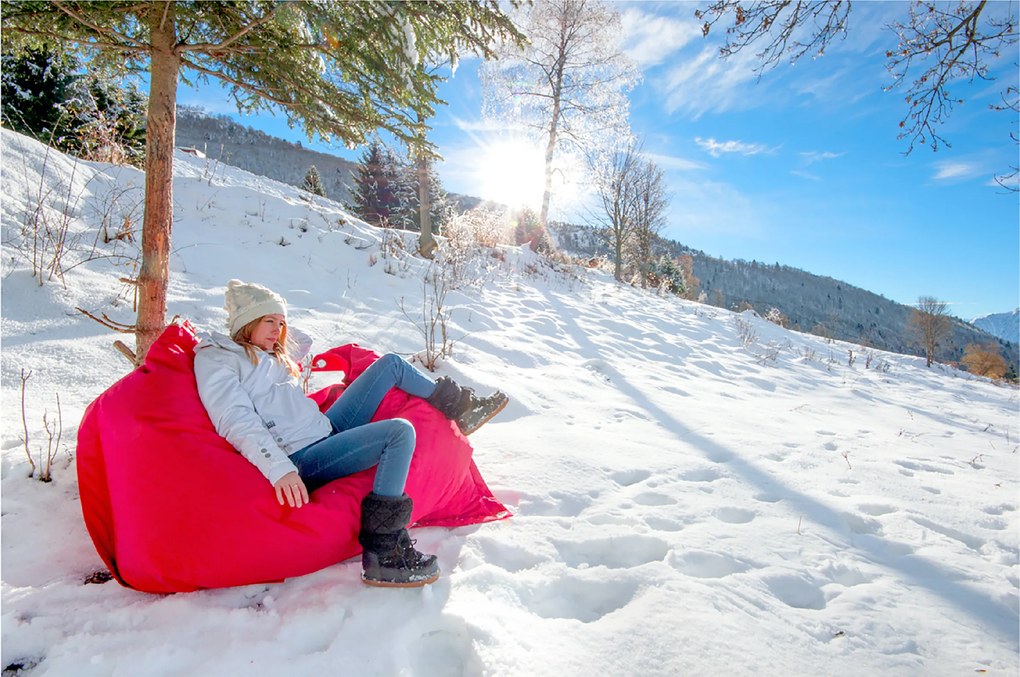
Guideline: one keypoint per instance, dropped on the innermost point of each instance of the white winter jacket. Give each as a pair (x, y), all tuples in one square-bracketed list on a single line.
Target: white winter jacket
[(260, 409)]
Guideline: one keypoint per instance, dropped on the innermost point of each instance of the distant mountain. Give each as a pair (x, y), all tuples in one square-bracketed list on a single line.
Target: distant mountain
[(223, 140), (1003, 325)]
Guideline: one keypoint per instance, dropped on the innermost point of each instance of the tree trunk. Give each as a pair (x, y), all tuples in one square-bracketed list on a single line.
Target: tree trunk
[(550, 148), (426, 243), (554, 125), (159, 165)]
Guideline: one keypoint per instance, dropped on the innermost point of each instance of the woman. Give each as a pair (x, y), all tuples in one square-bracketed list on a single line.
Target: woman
[(249, 385)]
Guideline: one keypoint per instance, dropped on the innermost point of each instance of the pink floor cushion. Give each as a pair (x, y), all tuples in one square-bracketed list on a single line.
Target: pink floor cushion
[(172, 507)]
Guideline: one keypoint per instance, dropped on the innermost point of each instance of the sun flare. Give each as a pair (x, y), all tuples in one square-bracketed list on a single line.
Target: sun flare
[(512, 173)]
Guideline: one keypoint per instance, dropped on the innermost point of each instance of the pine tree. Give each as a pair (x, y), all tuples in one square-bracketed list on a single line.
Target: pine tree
[(313, 183), (372, 197), (45, 95), (403, 188), (342, 70), (33, 91)]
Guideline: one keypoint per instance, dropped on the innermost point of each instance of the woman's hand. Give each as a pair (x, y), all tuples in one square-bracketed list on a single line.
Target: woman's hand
[(293, 489)]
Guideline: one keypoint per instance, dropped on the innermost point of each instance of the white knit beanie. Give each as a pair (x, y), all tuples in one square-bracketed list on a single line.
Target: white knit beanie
[(247, 302)]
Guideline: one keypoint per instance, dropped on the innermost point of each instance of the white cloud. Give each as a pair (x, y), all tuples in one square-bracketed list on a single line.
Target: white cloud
[(717, 148), (950, 171), (649, 39), (811, 157), (705, 82), (669, 162), (805, 175)]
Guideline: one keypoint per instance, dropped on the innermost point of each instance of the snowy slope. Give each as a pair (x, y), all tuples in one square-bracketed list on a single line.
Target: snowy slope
[(695, 491), (1004, 325)]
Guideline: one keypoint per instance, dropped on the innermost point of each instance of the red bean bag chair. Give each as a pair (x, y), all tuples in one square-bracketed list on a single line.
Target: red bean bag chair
[(172, 507)]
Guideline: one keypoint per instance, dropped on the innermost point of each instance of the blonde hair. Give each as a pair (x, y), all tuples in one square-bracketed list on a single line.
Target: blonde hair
[(281, 349)]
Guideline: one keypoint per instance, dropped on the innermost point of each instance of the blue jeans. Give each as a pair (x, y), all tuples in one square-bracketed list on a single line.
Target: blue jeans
[(356, 444)]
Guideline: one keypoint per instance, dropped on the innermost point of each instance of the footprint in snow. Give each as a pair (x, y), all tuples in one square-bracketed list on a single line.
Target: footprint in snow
[(999, 509), (613, 552), (626, 478), (876, 509), (918, 466), (579, 596), (653, 498), (558, 504), (506, 556), (702, 564), (701, 475), (795, 591), (734, 515), (663, 523)]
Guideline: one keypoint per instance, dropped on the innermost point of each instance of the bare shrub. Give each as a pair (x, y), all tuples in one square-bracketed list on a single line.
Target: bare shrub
[(984, 360), (776, 316), (746, 331), (433, 322), (54, 431)]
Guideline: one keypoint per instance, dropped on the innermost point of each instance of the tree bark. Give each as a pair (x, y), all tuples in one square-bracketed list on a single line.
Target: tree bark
[(426, 243), (159, 160)]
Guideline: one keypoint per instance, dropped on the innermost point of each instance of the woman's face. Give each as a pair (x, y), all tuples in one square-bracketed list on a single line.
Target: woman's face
[(267, 331)]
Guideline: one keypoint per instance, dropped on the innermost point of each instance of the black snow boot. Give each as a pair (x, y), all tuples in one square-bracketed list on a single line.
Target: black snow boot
[(389, 559), (480, 411), (462, 406)]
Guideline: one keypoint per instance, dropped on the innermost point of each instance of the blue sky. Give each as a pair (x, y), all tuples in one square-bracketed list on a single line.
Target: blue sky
[(801, 167)]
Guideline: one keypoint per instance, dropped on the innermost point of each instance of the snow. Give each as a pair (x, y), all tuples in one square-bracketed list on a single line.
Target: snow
[(694, 491)]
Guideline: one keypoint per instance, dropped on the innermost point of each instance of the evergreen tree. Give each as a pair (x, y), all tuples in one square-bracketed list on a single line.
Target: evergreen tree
[(341, 69), (45, 95), (373, 197), (33, 90), (313, 183), (407, 192), (666, 273), (404, 188)]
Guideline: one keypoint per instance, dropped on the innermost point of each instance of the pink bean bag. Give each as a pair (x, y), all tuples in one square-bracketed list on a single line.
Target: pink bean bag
[(172, 507)]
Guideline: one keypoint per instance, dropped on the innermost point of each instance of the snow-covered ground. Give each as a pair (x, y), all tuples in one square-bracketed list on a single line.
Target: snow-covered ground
[(694, 491)]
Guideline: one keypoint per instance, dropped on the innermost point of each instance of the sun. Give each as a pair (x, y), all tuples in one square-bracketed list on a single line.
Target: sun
[(512, 172)]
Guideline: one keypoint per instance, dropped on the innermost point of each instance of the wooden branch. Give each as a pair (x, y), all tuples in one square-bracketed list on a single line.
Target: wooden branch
[(91, 42), (237, 36), (108, 323), (98, 29), (126, 352)]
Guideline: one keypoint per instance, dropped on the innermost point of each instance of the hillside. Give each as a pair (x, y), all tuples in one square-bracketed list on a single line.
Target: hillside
[(810, 302), (693, 490), (223, 140)]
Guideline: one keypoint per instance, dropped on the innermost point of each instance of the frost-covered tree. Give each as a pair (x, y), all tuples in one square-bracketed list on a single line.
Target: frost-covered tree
[(569, 86), (666, 274), (616, 189), (33, 89), (313, 182), (937, 46), (341, 70), (47, 95)]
